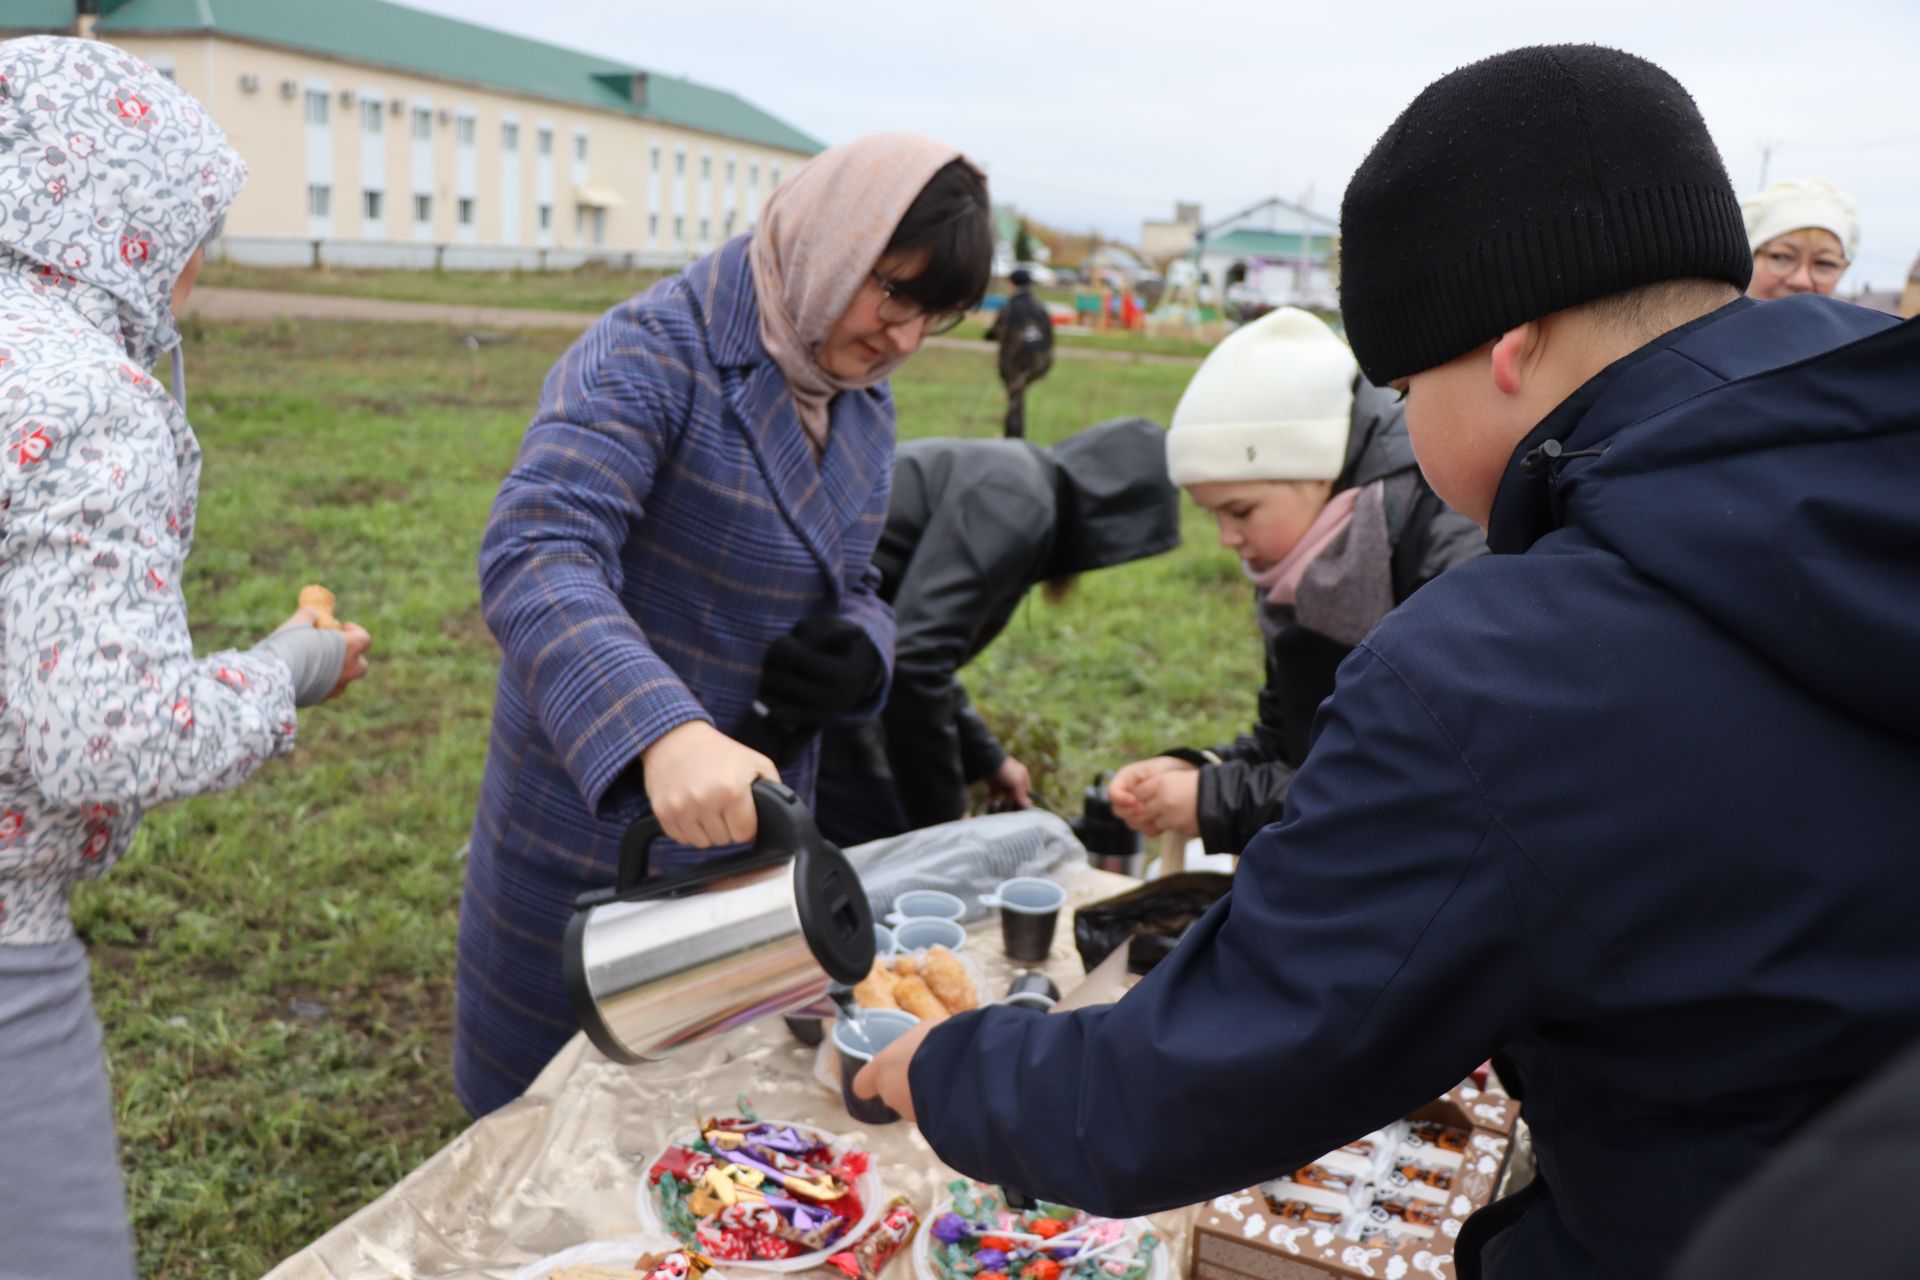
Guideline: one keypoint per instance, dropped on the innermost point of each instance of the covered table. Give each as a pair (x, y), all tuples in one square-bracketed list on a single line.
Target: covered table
[(560, 1165)]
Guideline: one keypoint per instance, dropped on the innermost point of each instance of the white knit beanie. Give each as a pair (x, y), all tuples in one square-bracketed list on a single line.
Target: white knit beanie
[(1274, 401), (1790, 206)]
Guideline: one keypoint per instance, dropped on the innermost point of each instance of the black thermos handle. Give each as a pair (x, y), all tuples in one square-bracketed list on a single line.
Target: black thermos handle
[(784, 824)]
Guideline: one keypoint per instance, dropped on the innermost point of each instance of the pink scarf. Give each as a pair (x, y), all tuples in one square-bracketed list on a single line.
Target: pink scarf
[(823, 230), (1281, 582)]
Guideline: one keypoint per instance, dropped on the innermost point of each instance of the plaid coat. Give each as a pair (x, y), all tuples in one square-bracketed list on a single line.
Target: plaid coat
[(664, 523)]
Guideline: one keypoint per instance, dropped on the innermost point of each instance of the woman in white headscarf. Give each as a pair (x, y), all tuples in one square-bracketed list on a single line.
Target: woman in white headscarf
[(1804, 236), (113, 182)]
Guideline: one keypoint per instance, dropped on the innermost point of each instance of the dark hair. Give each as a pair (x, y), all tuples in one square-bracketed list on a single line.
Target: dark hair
[(951, 221)]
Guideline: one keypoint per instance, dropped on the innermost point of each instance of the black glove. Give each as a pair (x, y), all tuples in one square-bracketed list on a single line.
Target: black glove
[(824, 669)]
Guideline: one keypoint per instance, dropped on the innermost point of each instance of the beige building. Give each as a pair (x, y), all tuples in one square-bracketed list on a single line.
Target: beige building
[(1163, 241), (398, 137)]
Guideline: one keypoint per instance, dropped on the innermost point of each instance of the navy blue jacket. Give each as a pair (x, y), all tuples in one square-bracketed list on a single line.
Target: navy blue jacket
[(1633, 798)]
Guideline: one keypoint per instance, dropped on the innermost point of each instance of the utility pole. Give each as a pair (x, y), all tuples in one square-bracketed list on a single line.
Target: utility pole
[(1767, 147)]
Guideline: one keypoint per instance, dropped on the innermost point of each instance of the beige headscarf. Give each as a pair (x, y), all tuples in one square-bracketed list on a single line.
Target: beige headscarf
[(821, 233)]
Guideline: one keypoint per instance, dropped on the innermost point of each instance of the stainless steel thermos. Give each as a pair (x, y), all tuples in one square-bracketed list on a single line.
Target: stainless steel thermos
[(656, 963)]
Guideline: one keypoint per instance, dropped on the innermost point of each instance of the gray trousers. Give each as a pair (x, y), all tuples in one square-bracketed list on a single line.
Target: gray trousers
[(63, 1207)]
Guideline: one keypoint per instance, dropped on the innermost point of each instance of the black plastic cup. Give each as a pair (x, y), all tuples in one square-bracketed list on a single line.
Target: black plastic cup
[(855, 1044), (1032, 982), (1029, 910)]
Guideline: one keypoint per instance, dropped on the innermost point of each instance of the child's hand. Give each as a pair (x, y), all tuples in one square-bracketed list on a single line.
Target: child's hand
[(1169, 803), (1124, 790)]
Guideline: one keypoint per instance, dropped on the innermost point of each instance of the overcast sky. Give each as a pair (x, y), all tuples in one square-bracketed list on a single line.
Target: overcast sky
[(1101, 114)]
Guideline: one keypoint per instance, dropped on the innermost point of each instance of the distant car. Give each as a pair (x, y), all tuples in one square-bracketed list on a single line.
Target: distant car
[(1042, 274)]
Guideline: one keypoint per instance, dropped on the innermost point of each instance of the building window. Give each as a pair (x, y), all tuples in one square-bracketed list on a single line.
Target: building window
[(509, 137), (317, 106), (729, 224), (753, 173), (703, 231), (653, 226), (546, 142), (679, 229), (463, 131), (729, 170), (320, 201), (580, 147), (706, 167), (679, 164), (546, 217), (464, 211), (423, 209), (773, 175), (371, 119), (373, 205), (422, 122), (653, 159)]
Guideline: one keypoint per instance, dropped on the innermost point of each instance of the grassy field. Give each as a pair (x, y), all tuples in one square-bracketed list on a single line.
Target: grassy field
[(588, 289), (274, 967)]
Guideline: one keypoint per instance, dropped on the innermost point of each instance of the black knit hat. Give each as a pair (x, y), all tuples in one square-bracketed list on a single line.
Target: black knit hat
[(1523, 184)]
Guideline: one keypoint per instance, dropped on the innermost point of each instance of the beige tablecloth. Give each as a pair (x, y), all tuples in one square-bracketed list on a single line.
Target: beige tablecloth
[(560, 1165)]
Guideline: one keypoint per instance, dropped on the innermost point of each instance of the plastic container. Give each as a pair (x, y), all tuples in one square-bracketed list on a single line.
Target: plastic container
[(1160, 1268), (609, 1253), (872, 1195)]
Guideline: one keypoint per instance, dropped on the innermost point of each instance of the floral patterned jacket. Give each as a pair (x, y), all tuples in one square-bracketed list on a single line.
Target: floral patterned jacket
[(110, 178)]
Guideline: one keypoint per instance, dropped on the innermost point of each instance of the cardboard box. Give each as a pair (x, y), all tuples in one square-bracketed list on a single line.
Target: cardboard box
[(1237, 1237)]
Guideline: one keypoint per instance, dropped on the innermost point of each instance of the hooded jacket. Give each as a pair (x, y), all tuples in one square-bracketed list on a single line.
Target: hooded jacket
[(1244, 786), (1631, 798), (111, 178), (972, 526)]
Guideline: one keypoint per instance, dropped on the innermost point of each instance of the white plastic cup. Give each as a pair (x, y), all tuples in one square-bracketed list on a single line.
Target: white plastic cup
[(925, 904), (918, 935)]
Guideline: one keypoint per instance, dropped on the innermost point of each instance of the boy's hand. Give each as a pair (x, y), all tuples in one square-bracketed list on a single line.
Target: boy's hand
[(1169, 803), (1124, 791), (886, 1076)]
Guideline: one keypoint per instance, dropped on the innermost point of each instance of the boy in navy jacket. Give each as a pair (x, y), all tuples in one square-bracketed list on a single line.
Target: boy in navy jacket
[(1631, 799)]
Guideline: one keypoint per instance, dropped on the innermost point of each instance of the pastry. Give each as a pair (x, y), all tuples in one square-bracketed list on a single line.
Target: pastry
[(948, 980), (918, 1000), (875, 991), (320, 600)]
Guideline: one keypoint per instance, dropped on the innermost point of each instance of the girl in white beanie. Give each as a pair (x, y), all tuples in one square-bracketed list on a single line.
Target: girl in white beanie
[(1309, 473), (1804, 235)]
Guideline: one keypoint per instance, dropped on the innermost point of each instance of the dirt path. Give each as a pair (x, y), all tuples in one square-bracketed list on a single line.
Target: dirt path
[(249, 305)]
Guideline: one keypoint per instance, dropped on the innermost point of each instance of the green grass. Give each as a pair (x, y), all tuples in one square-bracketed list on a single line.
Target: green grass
[(274, 966), (589, 289)]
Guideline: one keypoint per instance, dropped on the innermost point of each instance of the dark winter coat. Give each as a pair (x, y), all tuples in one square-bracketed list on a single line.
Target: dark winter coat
[(1025, 333), (1247, 789), (1633, 797), (972, 526)]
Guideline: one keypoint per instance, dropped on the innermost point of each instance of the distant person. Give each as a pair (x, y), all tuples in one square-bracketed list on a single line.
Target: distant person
[(689, 529), (114, 181), (973, 526), (1804, 235), (1307, 468), (1025, 333)]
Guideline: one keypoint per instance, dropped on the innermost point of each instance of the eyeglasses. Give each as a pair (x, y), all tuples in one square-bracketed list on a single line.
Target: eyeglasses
[(1782, 263), (897, 310)]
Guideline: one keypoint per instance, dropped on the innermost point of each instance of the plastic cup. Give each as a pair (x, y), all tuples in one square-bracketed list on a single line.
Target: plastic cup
[(883, 943), (1029, 910), (855, 1044), (1033, 1000), (1033, 982), (918, 935), (924, 904)]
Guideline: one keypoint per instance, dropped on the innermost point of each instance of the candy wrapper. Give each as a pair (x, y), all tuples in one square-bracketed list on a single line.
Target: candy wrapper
[(980, 1238), (744, 1190), (881, 1245)]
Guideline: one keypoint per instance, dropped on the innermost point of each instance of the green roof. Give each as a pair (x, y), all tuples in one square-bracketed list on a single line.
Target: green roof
[(39, 15), (1255, 243), (393, 35)]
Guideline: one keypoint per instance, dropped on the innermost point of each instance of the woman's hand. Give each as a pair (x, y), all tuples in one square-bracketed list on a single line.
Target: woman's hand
[(700, 781), (1169, 803), (1010, 785), (1124, 790)]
